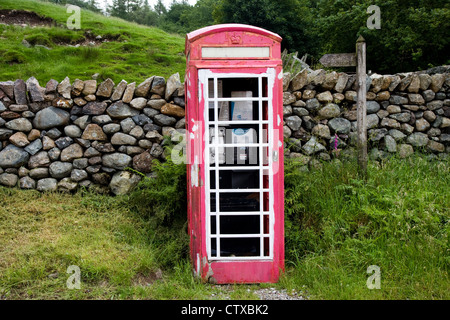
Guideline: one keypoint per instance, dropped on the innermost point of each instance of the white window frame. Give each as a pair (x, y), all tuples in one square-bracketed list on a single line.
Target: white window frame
[(264, 168)]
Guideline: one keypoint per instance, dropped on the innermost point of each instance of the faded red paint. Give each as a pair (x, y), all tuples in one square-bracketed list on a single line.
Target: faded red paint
[(230, 35)]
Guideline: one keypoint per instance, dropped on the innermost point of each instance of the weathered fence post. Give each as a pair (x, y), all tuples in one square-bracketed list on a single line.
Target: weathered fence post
[(361, 105)]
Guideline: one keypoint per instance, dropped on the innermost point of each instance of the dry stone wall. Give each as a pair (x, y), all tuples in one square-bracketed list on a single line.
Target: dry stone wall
[(68, 135), (405, 113), (83, 133)]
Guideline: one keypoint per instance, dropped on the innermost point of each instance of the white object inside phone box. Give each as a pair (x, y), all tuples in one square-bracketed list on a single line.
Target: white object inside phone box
[(241, 110), (213, 141), (244, 136)]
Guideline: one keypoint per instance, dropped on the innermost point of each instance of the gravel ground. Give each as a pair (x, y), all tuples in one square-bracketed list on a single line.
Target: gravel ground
[(274, 294), (264, 294)]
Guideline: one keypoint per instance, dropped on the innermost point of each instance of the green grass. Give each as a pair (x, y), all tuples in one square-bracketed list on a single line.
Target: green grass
[(134, 52), (336, 226)]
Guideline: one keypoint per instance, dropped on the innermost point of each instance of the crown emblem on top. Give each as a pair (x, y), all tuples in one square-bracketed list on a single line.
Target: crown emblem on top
[(235, 39)]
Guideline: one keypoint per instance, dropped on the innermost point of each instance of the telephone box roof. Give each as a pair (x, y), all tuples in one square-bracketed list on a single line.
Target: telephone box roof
[(230, 27)]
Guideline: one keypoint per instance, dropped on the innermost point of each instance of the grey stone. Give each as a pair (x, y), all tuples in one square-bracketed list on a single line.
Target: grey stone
[(391, 145), (20, 124), (434, 146), (90, 87), (129, 92), (417, 139), (72, 152), (123, 182), (321, 131), (405, 150), (143, 88), (54, 154), (156, 104), (78, 175), (64, 88), (330, 80), (137, 132), (5, 134), (156, 150), (313, 146), (401, 117), (51, 86), (34, 147), (434, 105), (120, 138), (67, 185), (150, 112), (38, 173), (428, 95), (396, 134), (372, 107), (60, 169), (105, 88), (138, 103), (422, 125), (316, 77), (63, 142), (40, 159), (398, 100), (8, 88), (117, 161), (13, 157), (164, 120), (288, 98), (127, 124), (339, 125), (372, 121), (437, 80), (35, 90), (54, 133), (119, 90), (300, 111), (299, 80), (425, 81), (376, 134), (50, 117), (120, 110), (47, 184), (312, 104), (331, 110), (390, 123), (94, 108), (287, 111), (173, 83), (27, 183), (20, 92), (158, 86), (142, 119), (111, 128), (8, 179), (415, 98), (294, 122), (72, 131)]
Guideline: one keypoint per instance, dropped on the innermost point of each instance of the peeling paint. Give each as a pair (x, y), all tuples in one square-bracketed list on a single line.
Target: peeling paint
[(194, 173), (280, 75)]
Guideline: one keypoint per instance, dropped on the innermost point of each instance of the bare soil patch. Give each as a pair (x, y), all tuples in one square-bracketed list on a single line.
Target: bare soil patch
[(25, 18)]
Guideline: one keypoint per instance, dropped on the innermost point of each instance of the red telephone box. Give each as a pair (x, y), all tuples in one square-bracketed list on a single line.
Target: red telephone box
[(234, 121)]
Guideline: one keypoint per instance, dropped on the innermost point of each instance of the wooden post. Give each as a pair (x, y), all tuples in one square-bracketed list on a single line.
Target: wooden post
[(361, 105)]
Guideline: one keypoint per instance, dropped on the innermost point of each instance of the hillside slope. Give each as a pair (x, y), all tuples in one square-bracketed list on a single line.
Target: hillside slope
[(35, 41)]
